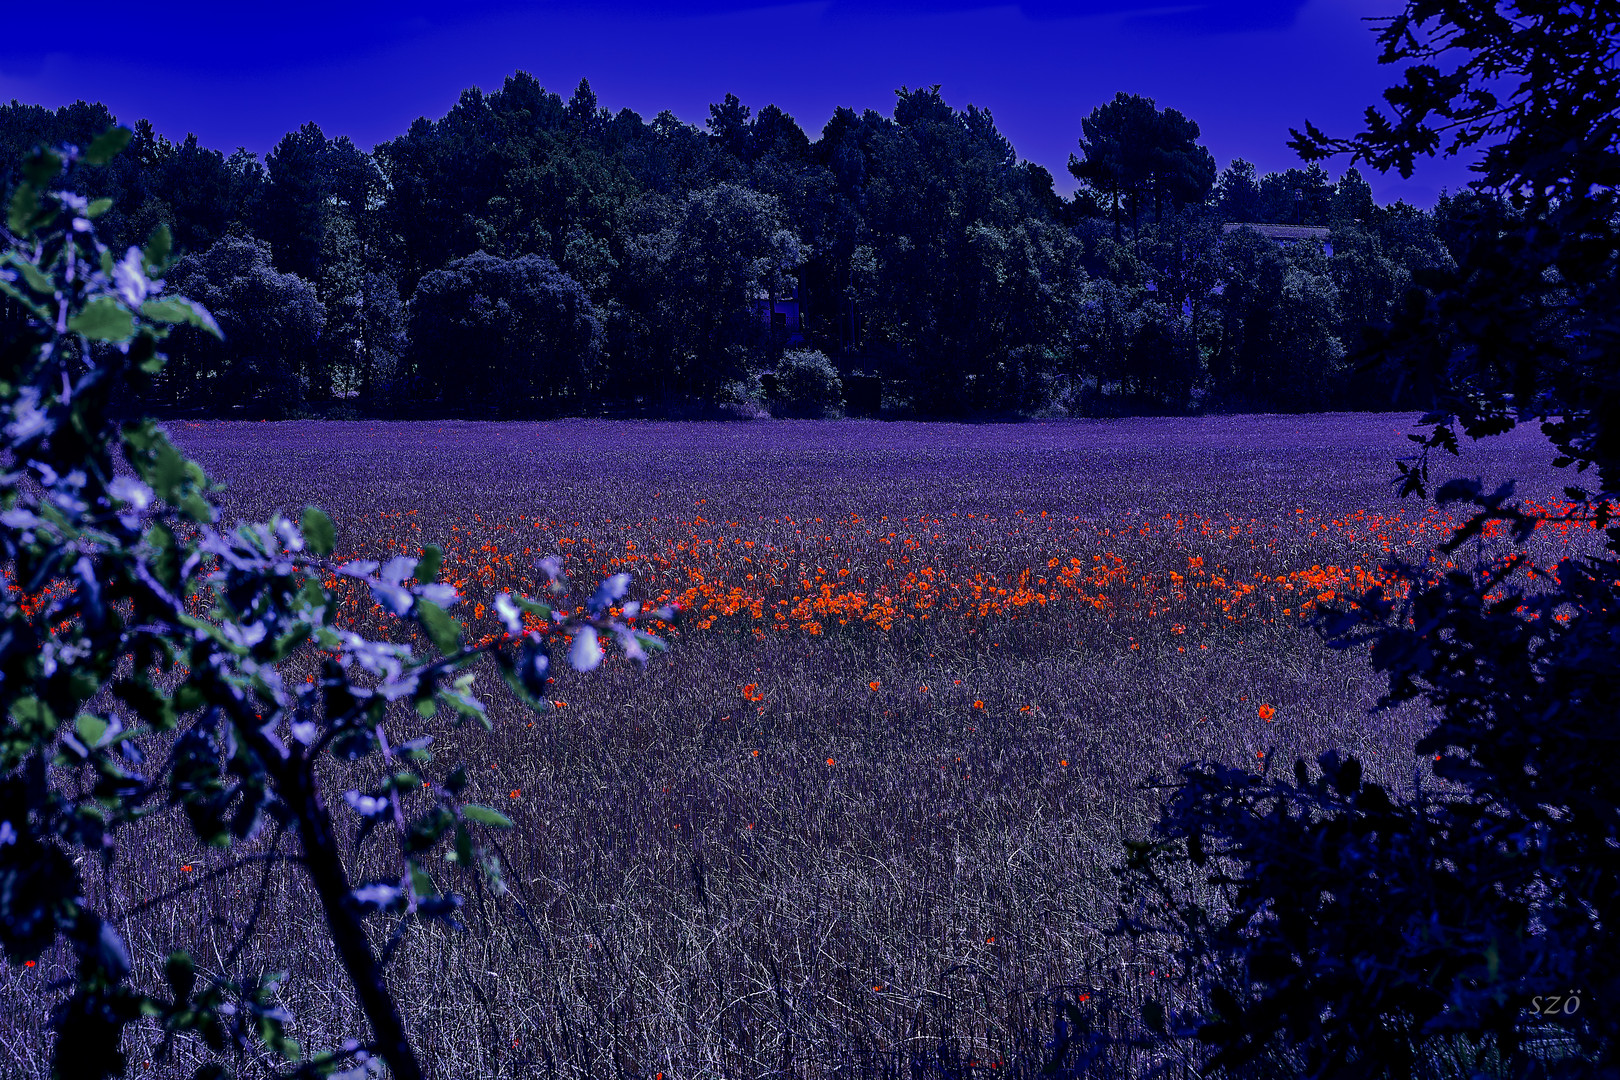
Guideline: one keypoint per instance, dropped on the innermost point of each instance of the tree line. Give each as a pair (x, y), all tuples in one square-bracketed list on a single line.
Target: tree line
[(526, 256)]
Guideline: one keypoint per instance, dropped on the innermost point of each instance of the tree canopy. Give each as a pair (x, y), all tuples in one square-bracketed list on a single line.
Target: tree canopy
[(916, 246), (1139, 155)]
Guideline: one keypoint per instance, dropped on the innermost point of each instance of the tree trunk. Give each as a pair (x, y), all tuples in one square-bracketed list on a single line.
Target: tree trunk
[(331, 880)]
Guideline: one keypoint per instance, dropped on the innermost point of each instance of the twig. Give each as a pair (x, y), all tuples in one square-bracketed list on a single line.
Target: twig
[(219, 871)]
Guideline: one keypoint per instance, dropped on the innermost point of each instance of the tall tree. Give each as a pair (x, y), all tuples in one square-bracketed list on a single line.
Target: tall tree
[(940, 211), (311, 178), (1296, 196), (728, 125), (1137, 155), (1352, 199), (503, 337), (250, 750), (779, 135), (585, 116), (1277, 320), (1237, 192), (441, 176), (707, 263)]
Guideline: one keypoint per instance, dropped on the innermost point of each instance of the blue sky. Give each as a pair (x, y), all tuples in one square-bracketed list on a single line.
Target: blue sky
[(243, 74)]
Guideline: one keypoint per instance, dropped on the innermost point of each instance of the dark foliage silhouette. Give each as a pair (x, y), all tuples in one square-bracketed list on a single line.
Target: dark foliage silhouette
[(1335, 927), (917, 245)]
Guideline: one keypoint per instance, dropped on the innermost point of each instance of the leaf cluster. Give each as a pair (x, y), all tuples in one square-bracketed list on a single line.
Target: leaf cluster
[(1353, 929), (151, 658)]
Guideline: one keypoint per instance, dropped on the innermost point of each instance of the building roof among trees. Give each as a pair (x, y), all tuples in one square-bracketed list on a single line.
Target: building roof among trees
[(1280, 232)]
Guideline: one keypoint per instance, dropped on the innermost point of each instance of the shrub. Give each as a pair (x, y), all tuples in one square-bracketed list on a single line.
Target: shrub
[(807, 385), (743, 399)]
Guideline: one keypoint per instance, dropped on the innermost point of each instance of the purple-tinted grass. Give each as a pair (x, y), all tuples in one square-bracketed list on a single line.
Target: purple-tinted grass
[(774, 851)]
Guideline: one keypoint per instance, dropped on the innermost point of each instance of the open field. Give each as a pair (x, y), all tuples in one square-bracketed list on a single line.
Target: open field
[(874, 792)]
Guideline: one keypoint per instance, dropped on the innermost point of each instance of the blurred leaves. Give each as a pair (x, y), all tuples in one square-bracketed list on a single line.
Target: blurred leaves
[(319, 532), (108, 145), (104, 319), (485, 816)]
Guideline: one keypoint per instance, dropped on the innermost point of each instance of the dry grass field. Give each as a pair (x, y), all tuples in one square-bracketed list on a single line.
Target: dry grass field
[(860, 819)]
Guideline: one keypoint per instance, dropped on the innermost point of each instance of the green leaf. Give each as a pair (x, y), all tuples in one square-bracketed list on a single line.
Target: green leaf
[(319, 533), (197, 509), (158, 249), (315, 601), (427, 568), (444, 630), (509, 673), (291, 639), (214, 632), (427, 708), (533, 607), (108, 145), (485, 816), (492, 875), (165, 558), (456, 781), (165, 470), (83, 681), (421, 883), (104, 319), (98, 207), (37, 279), (466, 707), (180, 311), (24, 204), (90, 728), (41, 167), (33, 716), (146, 701), (32, 724), (464, 845), (37, 310)]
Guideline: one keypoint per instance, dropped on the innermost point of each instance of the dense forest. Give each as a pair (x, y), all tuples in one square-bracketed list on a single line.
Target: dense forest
[(527, 256)]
